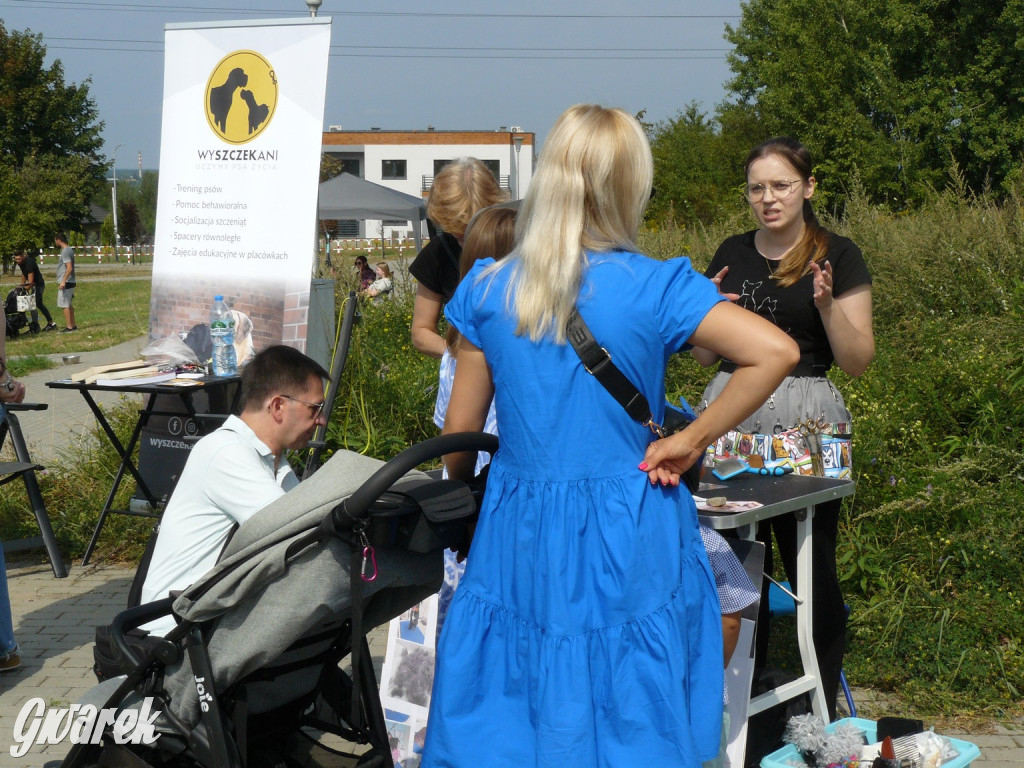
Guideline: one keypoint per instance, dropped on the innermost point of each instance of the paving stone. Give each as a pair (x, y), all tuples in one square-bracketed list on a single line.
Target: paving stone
[(990, 741)]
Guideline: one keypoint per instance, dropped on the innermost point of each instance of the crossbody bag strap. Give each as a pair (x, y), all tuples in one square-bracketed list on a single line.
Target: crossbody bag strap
[(598, 362)]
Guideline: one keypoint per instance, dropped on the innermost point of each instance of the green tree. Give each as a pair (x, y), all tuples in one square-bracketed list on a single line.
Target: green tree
[(698, 165), (146, 201), (36, 197), (50, 162), (107, 231), (129, 223), (330, 167), (895, 92)]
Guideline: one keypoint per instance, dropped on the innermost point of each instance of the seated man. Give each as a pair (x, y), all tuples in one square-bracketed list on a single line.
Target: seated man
[(235, 471)]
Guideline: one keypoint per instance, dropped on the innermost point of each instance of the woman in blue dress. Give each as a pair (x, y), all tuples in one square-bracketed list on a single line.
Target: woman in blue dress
[(587, 629)]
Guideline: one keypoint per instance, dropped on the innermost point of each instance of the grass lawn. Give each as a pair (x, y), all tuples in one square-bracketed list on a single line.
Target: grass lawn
[(111, 306)]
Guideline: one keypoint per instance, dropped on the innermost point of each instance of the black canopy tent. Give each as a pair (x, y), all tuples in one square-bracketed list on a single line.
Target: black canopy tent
[(350, 197)]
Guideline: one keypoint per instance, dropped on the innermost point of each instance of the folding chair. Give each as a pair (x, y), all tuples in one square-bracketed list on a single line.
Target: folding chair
[(25, 468)]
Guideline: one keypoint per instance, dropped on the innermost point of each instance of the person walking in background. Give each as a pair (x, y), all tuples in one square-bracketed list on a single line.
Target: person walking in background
[(815, 286), (32, 279), (66, 282), (11, 391), (587, 629)]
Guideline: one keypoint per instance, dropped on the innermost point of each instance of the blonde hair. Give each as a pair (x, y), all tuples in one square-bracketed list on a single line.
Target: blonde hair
[(592, 185), (384, 265), (460, 189), (491, 235)]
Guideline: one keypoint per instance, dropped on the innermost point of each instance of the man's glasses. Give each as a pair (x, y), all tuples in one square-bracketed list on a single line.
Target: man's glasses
[(315, 409), (781, 190)]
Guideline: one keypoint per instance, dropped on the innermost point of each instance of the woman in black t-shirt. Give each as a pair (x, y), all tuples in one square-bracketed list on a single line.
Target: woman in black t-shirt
[(460, 189), (814, 285)]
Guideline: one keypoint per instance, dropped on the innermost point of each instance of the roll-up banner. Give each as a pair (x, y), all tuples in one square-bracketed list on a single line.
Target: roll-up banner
[(236, 213), (239, 170)]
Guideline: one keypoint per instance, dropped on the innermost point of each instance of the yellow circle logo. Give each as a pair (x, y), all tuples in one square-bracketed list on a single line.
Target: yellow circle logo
[(241, 96)]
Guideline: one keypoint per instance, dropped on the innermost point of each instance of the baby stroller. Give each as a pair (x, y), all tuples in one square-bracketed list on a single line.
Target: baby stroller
[(17, 319), (254, 660)]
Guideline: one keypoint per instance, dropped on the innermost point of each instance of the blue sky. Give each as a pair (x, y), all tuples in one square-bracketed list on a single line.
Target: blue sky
[(398, 64)]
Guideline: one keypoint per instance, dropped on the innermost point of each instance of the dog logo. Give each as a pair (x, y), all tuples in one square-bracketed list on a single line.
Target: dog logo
[(241, 96)]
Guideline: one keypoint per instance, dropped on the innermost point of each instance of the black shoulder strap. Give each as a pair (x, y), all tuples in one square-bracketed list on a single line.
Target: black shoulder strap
[(598, 362)]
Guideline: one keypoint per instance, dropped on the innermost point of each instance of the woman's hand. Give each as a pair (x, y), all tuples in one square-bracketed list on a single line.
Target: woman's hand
[(822, 284), (717, 280), (667, 459), (847, 321), (15, 394)]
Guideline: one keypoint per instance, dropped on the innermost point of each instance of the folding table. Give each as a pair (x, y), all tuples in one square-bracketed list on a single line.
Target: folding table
[(778, 496), (214, 385)]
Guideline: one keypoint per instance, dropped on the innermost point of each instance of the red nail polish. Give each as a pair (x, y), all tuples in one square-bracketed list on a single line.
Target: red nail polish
[(643, 466)]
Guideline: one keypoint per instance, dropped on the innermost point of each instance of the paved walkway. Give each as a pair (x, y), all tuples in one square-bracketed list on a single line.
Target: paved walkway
[(49, 433), (54, 619)]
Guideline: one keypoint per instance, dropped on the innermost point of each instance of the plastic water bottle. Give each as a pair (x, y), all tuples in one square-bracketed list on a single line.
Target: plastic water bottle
[(222, 332)]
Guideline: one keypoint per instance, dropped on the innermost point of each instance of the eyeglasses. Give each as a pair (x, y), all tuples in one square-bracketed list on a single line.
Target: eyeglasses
[(781, 190), (315, 409)]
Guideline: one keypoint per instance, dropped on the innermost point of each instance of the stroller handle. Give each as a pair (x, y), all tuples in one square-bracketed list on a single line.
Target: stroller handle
[(133, 618), (355, 507)]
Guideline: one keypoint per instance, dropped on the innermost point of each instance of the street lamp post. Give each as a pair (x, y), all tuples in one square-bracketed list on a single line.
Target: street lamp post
[(313, 5), (518, 142), (113, 193)]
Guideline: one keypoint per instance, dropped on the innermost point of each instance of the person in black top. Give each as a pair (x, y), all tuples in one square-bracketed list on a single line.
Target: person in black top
[(462, 188), (814, 285), (366, 274), (32, 278)]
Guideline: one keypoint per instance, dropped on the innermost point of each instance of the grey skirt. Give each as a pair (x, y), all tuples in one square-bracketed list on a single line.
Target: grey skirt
[(796, 399)]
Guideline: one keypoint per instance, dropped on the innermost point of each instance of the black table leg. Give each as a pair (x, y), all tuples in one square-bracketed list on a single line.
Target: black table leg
[(126, 463)]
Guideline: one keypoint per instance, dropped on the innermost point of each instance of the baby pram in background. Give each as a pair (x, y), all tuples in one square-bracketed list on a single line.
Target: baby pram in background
[(17, 319), (254, 661)]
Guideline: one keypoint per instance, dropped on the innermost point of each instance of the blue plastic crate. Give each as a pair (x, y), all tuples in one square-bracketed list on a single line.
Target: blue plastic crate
[(787, 757)]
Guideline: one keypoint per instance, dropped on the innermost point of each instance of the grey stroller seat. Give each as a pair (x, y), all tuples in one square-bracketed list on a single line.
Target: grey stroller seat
[(255, 655)]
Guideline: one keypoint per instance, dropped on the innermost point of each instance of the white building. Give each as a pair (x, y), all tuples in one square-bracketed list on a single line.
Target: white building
[(407, 161)]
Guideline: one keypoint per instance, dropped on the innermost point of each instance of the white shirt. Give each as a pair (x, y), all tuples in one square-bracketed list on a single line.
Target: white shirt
[(229, 476)]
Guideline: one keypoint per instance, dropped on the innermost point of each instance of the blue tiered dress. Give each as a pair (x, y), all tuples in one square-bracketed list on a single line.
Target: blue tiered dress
[(587, 630)]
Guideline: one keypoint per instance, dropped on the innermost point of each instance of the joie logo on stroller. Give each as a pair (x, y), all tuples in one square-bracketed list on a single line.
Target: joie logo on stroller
[(204, 697)]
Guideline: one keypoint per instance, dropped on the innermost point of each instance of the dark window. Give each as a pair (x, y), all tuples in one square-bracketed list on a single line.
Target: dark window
[(347, 228), (392, 169), (493, 166), (345, 164)]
